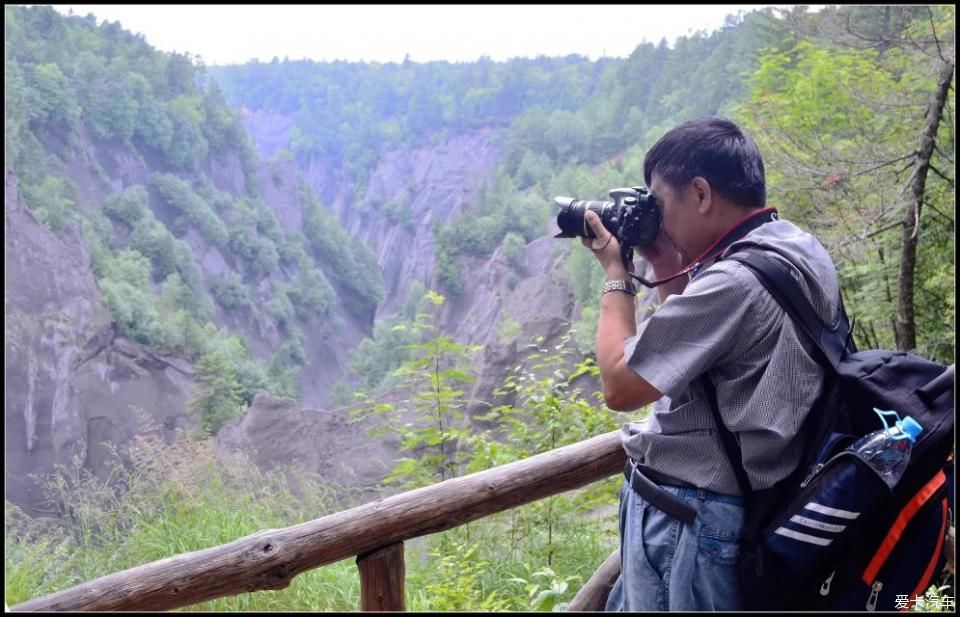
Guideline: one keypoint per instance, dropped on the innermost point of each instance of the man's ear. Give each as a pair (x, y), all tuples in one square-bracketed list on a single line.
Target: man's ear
[(704, 193)]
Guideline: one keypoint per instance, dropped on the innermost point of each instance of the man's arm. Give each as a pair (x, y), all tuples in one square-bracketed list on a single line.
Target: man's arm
[(623, 389)]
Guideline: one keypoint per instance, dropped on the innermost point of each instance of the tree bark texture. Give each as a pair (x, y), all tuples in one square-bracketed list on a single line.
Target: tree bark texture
[(906, 325)]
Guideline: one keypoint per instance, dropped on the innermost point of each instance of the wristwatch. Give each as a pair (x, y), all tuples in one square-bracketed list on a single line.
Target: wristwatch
[(619, 285)]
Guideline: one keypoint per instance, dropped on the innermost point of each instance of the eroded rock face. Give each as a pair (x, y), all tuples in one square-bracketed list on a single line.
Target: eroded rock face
[(434, 183), (70, 382), (431, 183), (276, 431)]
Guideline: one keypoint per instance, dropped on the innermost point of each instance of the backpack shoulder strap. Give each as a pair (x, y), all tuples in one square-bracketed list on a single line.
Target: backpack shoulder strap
[(730, 445), (830, 343), (773, 275)]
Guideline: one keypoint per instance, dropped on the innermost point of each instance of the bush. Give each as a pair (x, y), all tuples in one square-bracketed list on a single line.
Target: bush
[(512, 248), (312, 295), (130, 207), (50, 201), (155, 242), (291, 250), (280, 307), (188, 146), (217, 393), (283, 379), (153, 125), (220, 202), (291, 352), (249, 373), (97, 233), (447, 271), (398, 211), (179, 195), (230, 292), (258, 252), (267, 224), (351, 263), (126, 291)]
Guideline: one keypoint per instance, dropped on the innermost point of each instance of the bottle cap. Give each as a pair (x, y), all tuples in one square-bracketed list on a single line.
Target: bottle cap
[(911, 428)]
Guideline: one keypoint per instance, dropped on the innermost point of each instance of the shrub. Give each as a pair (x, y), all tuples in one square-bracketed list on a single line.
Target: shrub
[(280, 307), (50, 201), (512, 248), (130, 207), (179, 195), (230, 292), (126, 291), (155, 242)]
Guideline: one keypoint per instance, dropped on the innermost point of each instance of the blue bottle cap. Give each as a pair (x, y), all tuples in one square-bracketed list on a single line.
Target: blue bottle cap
[(911, 428)]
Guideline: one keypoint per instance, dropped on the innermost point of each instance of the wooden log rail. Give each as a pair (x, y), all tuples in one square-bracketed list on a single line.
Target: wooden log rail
[(374, 532), (270, 559)]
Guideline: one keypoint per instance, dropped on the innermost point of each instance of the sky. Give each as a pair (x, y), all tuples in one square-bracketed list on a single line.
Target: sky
[(234, 34)]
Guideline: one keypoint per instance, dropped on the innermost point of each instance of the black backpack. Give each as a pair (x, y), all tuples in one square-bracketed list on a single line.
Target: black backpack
[(832, 535)]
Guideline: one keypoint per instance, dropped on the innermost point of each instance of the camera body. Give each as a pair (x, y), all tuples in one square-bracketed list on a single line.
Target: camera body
[(632, 217)]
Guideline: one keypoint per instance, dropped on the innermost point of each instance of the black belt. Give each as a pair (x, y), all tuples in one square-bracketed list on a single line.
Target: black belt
[(670, 504)]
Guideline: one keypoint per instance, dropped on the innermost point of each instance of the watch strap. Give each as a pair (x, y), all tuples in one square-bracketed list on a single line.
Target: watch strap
[(619, 285)]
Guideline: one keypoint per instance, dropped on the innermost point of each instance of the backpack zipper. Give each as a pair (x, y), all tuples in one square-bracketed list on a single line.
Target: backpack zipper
[(825, 588), (874, 594), (813, 473), (816, 470)]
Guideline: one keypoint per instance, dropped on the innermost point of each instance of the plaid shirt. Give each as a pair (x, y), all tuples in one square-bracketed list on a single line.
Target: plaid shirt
[(726, 324)]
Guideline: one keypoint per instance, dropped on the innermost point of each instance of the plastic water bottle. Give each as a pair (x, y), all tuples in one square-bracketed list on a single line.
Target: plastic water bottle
[(887, 450)]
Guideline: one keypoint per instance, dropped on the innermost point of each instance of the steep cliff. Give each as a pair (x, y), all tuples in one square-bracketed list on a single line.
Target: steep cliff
[(407, 192), (434, 183), (71, 384)]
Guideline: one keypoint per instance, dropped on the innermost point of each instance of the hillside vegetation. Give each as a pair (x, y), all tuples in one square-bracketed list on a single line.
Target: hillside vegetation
[(843, 104)]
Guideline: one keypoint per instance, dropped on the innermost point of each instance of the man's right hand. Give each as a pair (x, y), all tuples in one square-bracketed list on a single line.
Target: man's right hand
[(663, 255)]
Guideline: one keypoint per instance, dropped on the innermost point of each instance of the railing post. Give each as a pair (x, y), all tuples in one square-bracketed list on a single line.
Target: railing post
[(593, 595), (381, 579)]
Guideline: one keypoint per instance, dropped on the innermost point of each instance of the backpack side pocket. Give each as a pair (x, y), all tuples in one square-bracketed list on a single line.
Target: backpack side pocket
[(825, 514)]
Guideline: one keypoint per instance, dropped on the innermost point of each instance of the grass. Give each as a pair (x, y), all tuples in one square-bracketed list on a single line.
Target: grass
[(178, 498)]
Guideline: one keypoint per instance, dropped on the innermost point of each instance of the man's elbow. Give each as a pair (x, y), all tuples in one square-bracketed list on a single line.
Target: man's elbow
[(630, 395), (616, 401)]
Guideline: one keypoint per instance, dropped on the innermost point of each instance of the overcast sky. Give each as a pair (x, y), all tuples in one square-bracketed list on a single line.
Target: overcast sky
[(224, 34)]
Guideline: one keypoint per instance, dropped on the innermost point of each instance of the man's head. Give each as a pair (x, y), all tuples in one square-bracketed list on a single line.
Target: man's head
[(706, 174)]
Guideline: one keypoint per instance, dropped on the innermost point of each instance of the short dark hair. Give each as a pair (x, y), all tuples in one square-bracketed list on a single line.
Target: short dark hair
[(716, 149)]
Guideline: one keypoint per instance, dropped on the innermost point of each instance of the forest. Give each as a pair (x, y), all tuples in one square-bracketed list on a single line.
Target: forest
[(852, 107)]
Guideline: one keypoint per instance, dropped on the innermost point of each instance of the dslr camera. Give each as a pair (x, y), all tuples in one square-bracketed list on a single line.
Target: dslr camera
[(632, 217)]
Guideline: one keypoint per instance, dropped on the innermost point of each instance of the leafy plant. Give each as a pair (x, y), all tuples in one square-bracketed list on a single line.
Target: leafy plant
[(432, 376), (545, 592), (455, 584)]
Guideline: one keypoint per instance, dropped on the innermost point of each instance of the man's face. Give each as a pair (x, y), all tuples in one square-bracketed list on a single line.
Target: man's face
[(680, 219)]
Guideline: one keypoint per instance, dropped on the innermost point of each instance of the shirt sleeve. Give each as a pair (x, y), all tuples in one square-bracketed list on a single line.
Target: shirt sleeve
[(708, 324)]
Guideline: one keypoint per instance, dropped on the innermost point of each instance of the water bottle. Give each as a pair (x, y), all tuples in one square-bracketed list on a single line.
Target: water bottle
[(887, 450)]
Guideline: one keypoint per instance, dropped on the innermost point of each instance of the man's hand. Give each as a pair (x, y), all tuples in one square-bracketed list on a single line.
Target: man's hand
[(663, 256), (606, 247), (623, 389)]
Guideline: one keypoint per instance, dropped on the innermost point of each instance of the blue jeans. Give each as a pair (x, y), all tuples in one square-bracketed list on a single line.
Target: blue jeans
[(668, 566)]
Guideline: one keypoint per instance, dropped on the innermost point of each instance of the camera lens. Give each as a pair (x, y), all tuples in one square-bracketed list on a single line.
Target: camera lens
[(571, 219)]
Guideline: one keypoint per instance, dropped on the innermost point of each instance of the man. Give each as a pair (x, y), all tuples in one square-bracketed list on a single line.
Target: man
[(679, 535)]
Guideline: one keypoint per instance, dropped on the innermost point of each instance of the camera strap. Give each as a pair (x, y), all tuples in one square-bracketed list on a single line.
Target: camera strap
[(739, 230)]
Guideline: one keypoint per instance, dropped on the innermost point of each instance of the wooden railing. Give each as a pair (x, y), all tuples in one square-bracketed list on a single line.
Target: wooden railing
[(374, 532)]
